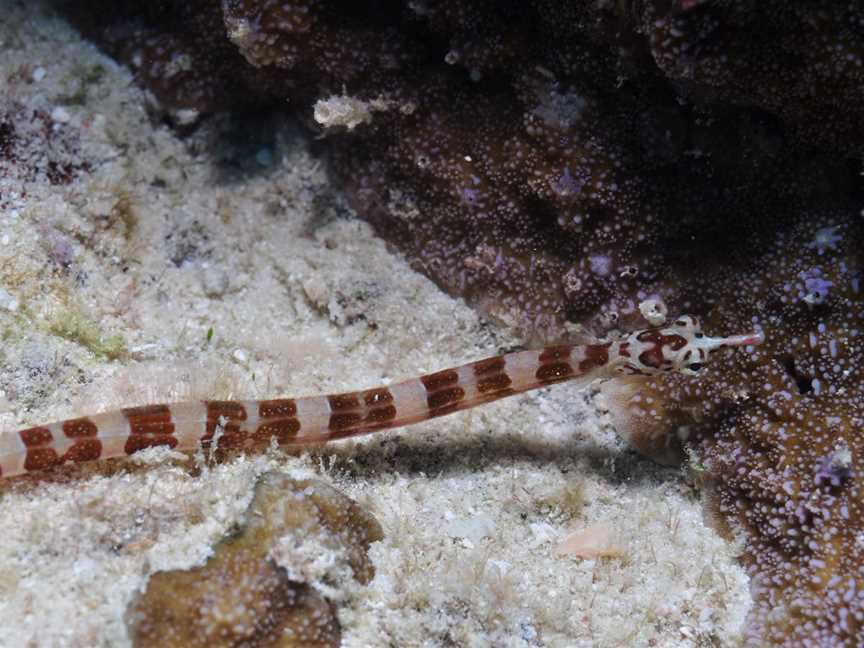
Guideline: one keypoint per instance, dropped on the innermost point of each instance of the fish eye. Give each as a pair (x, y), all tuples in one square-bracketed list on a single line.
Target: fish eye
[(699, 335), (696, 366)]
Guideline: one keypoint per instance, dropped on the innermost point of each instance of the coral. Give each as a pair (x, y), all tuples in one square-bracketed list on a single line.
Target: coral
[(798, 62), (544, 165), (779, 432), (201, 56), (187, 63), (255, 592), (557, 163)]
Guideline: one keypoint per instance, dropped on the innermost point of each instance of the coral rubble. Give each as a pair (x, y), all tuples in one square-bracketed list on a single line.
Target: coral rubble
[(259, 587), (37, 146), (558, 162)]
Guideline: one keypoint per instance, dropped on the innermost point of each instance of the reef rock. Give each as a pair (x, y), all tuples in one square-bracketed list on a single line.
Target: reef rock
[(272, 583)]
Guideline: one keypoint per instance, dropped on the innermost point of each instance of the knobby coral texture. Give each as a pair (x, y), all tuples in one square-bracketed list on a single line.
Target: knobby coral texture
[(243, 596), (558, 161)]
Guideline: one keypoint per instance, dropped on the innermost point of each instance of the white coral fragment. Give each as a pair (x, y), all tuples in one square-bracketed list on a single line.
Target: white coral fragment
[(350, 112)]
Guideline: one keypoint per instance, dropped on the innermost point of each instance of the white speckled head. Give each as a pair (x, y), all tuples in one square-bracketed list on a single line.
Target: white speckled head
[(679, 347)]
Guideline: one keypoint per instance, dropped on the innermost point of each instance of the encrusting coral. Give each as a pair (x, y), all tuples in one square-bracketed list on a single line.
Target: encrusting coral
[(558, 162), (778, 433), (243, 595)]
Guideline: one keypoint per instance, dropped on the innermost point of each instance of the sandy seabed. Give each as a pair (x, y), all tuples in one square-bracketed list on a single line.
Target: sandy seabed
[(137, 266)]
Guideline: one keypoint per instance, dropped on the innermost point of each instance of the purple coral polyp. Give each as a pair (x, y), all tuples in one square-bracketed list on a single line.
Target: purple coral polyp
[(835, 468), (566, 185), (816, 286)]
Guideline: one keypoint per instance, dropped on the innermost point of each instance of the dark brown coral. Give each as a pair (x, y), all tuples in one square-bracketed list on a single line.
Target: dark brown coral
[(240, 54), (803, 62)]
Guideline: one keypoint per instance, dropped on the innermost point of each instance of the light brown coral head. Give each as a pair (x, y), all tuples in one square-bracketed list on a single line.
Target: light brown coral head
[(680, 347)]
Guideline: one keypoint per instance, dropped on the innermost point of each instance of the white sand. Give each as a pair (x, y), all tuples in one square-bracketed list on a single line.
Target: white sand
[(161, 242)]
